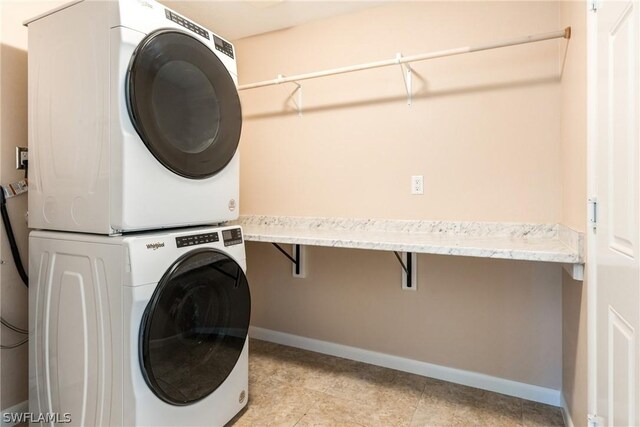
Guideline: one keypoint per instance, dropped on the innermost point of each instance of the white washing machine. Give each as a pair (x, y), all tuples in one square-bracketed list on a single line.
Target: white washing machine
[(134, 120), (145, 330)]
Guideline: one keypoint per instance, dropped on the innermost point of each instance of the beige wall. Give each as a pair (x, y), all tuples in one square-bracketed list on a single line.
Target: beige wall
[(496, 317), (574, 164), (13, 132), (484, 130)]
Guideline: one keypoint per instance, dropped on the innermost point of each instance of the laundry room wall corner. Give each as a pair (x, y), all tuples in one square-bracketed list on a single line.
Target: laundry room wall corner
[(574, 167), (13, 132)]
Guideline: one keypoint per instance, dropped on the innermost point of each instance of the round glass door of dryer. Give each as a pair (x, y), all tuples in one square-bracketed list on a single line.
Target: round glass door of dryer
[(195, 326), (183, 103)]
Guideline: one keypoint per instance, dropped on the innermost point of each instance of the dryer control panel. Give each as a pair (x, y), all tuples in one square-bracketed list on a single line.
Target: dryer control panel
[(223, 46), (187, 24), (197, 239)]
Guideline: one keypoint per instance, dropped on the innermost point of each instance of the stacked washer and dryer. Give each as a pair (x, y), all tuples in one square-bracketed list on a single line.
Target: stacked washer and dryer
[(139, 305)]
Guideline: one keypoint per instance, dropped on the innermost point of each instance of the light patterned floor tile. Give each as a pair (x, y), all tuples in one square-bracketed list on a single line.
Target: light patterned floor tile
[(274, 403), (333, 411), (539, 415), (293, 387)]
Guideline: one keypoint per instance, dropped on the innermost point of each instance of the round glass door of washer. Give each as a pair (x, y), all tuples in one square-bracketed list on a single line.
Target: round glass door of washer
[(195, 326)]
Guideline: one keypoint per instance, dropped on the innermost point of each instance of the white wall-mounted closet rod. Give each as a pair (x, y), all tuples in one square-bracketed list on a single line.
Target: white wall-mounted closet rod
[(566, 33)]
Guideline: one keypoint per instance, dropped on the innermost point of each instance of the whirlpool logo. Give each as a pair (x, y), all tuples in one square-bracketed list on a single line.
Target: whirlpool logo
[(155, 246), (145, 4)]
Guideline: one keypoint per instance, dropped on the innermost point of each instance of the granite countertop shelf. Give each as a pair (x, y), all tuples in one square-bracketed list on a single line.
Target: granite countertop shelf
[(518, 241)]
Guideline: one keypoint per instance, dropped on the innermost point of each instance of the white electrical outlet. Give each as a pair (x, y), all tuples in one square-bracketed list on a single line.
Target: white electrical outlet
[(21, 157), (417, 184)]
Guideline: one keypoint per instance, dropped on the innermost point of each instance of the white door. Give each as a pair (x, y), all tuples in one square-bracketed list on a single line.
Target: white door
[(617, 237)]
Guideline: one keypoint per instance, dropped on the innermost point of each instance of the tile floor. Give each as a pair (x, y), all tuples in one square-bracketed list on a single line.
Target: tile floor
[(293, 387)]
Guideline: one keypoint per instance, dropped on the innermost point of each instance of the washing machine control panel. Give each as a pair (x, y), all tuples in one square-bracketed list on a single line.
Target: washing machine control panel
[(232, 236), (187, 24), (197, 239)]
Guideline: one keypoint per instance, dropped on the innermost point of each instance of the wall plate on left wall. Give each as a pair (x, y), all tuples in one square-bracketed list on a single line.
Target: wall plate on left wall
[(22, 155)]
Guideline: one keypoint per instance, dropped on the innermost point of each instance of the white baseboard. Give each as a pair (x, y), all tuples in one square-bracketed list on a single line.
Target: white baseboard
[(19, 408), (472, 379), (566, 414)]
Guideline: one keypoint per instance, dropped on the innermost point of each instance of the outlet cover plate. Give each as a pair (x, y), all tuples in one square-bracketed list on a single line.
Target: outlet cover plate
[(417, 184), (21, 156)]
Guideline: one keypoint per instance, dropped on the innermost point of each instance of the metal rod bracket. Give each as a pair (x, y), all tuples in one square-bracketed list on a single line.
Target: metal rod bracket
[(407, 77), (296, 95)]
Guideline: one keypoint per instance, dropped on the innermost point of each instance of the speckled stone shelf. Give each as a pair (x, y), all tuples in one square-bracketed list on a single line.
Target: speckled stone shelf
[(530, 242)]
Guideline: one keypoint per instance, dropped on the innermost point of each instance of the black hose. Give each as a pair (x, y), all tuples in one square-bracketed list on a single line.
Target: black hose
[(18, 344), (13, 327), (12, 239)]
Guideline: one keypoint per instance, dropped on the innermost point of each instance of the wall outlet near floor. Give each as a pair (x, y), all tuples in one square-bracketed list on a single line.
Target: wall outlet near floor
[(417, 184)]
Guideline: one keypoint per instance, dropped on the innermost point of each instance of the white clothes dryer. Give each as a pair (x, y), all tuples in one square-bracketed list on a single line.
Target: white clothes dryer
[(147, 329), (134, 120)]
